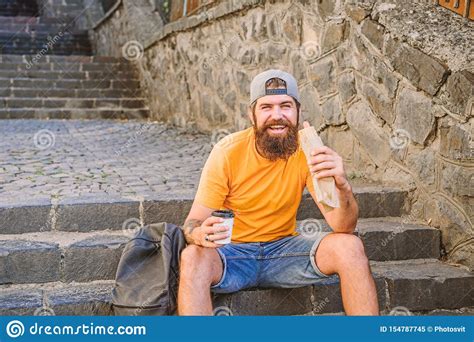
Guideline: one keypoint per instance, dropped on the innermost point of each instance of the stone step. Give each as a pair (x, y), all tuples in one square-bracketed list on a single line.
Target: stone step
[(71, 103), (109, 212), (33, 65), (52, 28), (75, 113), (31, 20), (466, 311), (40, 30), (414, 285), (73, 256), (389, 238), (70, 93), (67, 74), (408, 286), (65, 299), (60, 256), (19, 31), (59, 42), (40, 38), (12, 8), (46, 84), (69, 50), (40, 45), (14, 58)]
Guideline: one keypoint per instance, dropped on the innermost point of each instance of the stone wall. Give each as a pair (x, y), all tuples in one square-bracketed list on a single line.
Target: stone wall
[(129, 21), (60, 8), (388, 85)]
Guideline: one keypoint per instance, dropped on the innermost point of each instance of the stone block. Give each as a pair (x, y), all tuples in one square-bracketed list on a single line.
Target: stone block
[(379, 102), (413, 112), (93, 258), (28, 262), (346, 87), (322, 76), (422, 70), (373, 32), (456, 141), (460, 90), (368, 132)]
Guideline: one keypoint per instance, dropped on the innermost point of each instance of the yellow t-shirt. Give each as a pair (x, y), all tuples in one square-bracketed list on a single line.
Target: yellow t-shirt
[(264, 195)]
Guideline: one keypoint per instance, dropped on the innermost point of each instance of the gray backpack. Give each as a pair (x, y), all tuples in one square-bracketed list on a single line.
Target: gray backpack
[(147, 277)]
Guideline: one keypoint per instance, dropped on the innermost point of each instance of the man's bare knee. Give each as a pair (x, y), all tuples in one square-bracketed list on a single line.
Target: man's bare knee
[(338, 252), (201, 264)]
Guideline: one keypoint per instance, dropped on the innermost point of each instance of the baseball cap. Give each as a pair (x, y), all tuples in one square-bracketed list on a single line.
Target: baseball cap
[(258, 88)]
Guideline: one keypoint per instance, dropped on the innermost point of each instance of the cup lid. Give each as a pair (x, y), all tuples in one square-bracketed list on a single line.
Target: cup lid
[(223, 213)]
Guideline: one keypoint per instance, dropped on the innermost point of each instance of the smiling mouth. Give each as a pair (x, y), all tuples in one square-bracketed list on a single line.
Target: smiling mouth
[(277, 128)]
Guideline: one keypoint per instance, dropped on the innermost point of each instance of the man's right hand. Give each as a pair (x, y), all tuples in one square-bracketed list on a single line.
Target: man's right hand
[(214, 233)]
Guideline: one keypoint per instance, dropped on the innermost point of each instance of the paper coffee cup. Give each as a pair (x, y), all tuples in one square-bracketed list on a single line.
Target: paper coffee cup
[(228, 216)]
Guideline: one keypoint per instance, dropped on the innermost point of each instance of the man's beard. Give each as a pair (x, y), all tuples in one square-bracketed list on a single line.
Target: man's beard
[(276, 146)]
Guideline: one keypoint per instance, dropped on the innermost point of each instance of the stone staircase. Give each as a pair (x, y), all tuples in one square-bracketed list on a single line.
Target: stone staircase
[(63, 257), (48, 36), (47, 72), (69, 87), (18, 8)]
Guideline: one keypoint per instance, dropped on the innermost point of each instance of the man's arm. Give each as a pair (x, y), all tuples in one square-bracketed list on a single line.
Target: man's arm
[(199, 223), (344, 218), (327, 163), (188, 227)]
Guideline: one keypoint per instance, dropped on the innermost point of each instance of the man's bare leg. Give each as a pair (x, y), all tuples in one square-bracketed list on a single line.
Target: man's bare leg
[(344, 254), (200, 268)]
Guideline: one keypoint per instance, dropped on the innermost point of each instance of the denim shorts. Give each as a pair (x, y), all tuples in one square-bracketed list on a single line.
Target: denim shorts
[(286, 263)]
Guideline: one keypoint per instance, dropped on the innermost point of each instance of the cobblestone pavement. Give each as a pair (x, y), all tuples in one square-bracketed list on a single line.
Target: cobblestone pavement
[(74, 158)]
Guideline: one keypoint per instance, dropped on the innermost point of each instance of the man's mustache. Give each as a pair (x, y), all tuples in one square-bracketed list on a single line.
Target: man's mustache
[(280, 122)]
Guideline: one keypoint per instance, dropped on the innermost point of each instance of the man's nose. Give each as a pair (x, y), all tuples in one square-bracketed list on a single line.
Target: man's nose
[(276, 113)]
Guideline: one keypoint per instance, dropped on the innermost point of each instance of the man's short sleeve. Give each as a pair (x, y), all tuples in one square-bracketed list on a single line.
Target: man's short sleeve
[(214, 183)]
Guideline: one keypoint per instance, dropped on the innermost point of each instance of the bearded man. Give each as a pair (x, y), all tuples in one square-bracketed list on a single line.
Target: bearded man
[(260, 174)]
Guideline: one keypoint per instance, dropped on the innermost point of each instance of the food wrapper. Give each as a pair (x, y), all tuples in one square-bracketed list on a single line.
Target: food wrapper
[(325, 188)]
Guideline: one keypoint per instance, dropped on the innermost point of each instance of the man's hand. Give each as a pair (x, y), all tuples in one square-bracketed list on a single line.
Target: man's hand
[(327, 163), (196, 231)]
